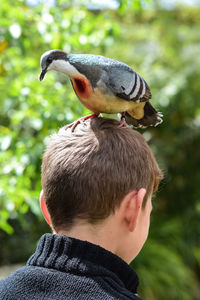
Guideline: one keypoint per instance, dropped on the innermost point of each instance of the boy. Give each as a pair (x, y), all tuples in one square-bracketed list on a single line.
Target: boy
[(97, 185)]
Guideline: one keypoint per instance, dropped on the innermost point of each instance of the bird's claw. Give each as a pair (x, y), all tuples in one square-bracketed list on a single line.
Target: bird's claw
[(123, 122), (79, 121)]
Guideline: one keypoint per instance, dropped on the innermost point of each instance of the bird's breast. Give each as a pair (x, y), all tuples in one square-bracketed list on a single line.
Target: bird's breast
[(106, 102), (97, 100)]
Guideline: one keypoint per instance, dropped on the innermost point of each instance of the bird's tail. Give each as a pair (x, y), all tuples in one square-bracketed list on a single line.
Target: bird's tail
[(151, 117)]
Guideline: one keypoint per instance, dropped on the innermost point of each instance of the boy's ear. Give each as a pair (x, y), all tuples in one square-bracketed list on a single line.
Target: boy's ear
[(44, 209), (133, 206)]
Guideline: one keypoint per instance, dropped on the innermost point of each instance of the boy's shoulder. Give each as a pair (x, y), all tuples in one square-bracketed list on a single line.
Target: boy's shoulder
[(44, 283)]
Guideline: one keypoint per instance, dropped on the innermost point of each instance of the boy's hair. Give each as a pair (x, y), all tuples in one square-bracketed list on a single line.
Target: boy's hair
[(87, 173)]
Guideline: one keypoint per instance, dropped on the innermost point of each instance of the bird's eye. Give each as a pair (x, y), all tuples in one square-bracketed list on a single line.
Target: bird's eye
[(49, 60)]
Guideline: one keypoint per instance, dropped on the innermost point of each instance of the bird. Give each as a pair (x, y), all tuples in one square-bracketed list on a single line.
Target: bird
[(105, 85)]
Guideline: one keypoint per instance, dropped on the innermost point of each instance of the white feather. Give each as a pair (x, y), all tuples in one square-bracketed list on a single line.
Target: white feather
[(143, 89), (134, 94), (131, 84), (63, 66)]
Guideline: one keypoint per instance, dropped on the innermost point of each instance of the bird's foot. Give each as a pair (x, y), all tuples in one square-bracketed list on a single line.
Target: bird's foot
[(123, 122), (77, 122), (141, 126)]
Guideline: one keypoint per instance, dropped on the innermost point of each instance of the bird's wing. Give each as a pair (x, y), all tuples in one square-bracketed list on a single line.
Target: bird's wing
[(128, 84), (118, 77)]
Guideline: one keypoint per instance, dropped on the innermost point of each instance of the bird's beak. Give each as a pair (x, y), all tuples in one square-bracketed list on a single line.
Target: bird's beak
[(42, 74)]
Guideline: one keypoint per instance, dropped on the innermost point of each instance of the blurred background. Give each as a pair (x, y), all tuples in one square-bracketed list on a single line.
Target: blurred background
[(159, 39)]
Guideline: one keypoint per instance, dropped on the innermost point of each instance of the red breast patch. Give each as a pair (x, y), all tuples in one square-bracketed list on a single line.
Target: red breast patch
[(82, 87)]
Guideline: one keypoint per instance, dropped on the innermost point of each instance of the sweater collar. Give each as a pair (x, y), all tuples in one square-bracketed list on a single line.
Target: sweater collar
[(71, 255)]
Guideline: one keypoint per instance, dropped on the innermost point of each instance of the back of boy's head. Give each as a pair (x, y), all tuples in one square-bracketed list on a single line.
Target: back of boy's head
[(87, 173)]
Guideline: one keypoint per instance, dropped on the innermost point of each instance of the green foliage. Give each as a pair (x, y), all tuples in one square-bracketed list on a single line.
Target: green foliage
[(30, 111), (164, 47)]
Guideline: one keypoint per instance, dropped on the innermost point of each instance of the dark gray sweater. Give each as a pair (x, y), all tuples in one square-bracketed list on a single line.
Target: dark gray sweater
[(67, 268)]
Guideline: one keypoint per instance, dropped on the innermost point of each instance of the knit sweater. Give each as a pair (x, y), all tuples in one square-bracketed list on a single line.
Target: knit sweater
[(68, 268)]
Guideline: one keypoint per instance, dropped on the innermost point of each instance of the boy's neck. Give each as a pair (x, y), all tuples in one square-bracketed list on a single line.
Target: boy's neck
[(104, 234)]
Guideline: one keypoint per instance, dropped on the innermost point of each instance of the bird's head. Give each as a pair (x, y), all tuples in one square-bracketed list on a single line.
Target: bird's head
[(61, 61), (53, 60)]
